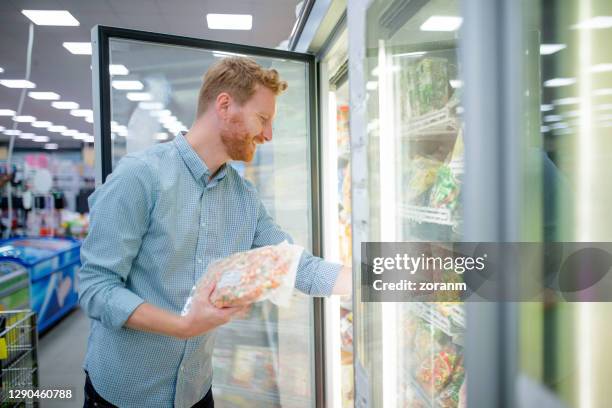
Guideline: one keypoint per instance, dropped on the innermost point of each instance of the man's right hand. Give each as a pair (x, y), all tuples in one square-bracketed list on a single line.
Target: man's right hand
[(204, 316)]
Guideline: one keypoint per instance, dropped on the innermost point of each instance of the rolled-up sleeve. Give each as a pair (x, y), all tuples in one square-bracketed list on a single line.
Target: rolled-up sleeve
[(315, 276), (119, 217)]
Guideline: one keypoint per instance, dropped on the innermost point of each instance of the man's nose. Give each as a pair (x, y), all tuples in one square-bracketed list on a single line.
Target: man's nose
[(267, 133)]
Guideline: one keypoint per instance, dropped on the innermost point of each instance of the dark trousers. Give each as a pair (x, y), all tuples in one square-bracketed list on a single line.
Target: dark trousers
[(94, 400)]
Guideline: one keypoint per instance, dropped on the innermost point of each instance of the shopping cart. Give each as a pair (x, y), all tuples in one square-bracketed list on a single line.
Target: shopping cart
[(18, 359)]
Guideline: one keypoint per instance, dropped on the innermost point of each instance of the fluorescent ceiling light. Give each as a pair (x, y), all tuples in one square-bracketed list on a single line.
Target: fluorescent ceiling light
[(89, 139), (601, 68), (65, 105), (603, 92), (70, 132), (27, 136), (139, 96), (151, 105), (567, 101), (56, 128), (551, 83), (44, 96), (552, 118), (51, 17), (224, 54), (442, 23), (78, 48), (41, 124), (7, 112), (12, 132), (456, 83), (89, 119), (51, 146), (24, 119), (547, 49), (390, 68), (128, 85), (81, 113), (546, 108), (118, 69), (229, 21), (41, 139), (17, 83), (594, 23), (372, 85), (80, 136)]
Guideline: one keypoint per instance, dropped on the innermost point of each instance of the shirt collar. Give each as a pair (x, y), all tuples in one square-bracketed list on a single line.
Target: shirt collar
[(194, 163)]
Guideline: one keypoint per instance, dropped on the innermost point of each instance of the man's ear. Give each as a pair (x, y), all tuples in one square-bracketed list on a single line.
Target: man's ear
[(222, 104)]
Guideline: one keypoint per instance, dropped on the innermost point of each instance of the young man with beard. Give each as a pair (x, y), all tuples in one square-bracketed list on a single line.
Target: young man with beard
[(160, 218)]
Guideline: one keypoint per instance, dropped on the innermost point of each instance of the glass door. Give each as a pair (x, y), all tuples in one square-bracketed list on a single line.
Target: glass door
[(146, 88), (411, 354)]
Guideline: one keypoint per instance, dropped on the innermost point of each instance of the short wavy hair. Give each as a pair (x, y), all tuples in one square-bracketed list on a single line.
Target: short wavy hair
[(239, 77)]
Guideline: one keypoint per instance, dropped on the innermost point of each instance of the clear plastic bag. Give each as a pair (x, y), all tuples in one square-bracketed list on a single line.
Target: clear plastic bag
[(251, 276)]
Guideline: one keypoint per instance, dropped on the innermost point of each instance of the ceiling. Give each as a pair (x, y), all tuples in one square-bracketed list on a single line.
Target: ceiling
[(55, 69)]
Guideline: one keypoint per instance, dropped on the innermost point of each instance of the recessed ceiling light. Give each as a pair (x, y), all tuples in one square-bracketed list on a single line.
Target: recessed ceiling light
[(17, 83), (594, 23), (547, 49), (442, 23), (78, 48), (56, 128), (551, 83), (601, 68), (12, 132), (51, 17), (44, 96), (229, 21), (151, 105), (51, 146), (24, 119), (128, 85), (65, 105), (7, 112), (41, 124), (139, 96), (41, 139), (81, 113), (118, 69), (27, 136)]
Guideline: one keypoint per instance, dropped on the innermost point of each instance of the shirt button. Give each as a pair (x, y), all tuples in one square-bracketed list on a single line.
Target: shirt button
[(199, 260)]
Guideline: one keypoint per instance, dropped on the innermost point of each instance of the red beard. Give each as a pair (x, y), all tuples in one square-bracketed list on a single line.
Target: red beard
[(237, 141)]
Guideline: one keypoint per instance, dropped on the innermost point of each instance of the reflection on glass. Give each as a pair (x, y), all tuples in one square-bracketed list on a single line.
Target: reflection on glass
[(263, 360), (413, 352)]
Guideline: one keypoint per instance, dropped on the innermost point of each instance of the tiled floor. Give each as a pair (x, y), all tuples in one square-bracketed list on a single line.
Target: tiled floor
[(60, 356)]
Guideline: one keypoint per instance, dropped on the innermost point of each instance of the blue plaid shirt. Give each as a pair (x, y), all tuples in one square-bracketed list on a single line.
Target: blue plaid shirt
[(155, 225)]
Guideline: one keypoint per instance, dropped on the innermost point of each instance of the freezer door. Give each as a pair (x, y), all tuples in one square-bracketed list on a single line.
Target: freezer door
[(145, 91)]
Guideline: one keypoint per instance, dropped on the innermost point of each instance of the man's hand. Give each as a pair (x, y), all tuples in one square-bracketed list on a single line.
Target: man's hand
[(204, 316), (344, 282)]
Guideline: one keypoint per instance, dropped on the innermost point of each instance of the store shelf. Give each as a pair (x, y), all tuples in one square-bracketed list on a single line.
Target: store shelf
[(420, 214), (421, 392), (438, 125), (452, 326)]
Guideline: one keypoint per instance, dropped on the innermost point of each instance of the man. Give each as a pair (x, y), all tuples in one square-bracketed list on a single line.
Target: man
[(160, 218)]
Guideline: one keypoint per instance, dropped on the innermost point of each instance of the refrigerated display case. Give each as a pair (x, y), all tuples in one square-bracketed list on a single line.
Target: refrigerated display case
[(337, 242), (410, 354), (267, 359)]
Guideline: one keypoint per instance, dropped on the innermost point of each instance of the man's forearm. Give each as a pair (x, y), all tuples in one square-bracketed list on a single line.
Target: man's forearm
[(344, 282), (147, 317)]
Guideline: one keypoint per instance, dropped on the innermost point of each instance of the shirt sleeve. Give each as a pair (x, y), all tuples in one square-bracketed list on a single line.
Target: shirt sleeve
[(315, 276), (119, 218)]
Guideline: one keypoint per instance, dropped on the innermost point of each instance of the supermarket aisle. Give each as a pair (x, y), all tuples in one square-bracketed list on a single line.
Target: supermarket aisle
[(60, 356)]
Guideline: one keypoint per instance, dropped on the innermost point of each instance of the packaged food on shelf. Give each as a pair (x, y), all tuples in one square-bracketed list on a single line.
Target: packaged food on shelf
[(253, 369), (247, 277), (447, 187), (421, 174), (435, 374), (426, 81), (346, 330)]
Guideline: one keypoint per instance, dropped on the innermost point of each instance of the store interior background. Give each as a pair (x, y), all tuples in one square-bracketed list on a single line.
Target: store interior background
[(402, 157)]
